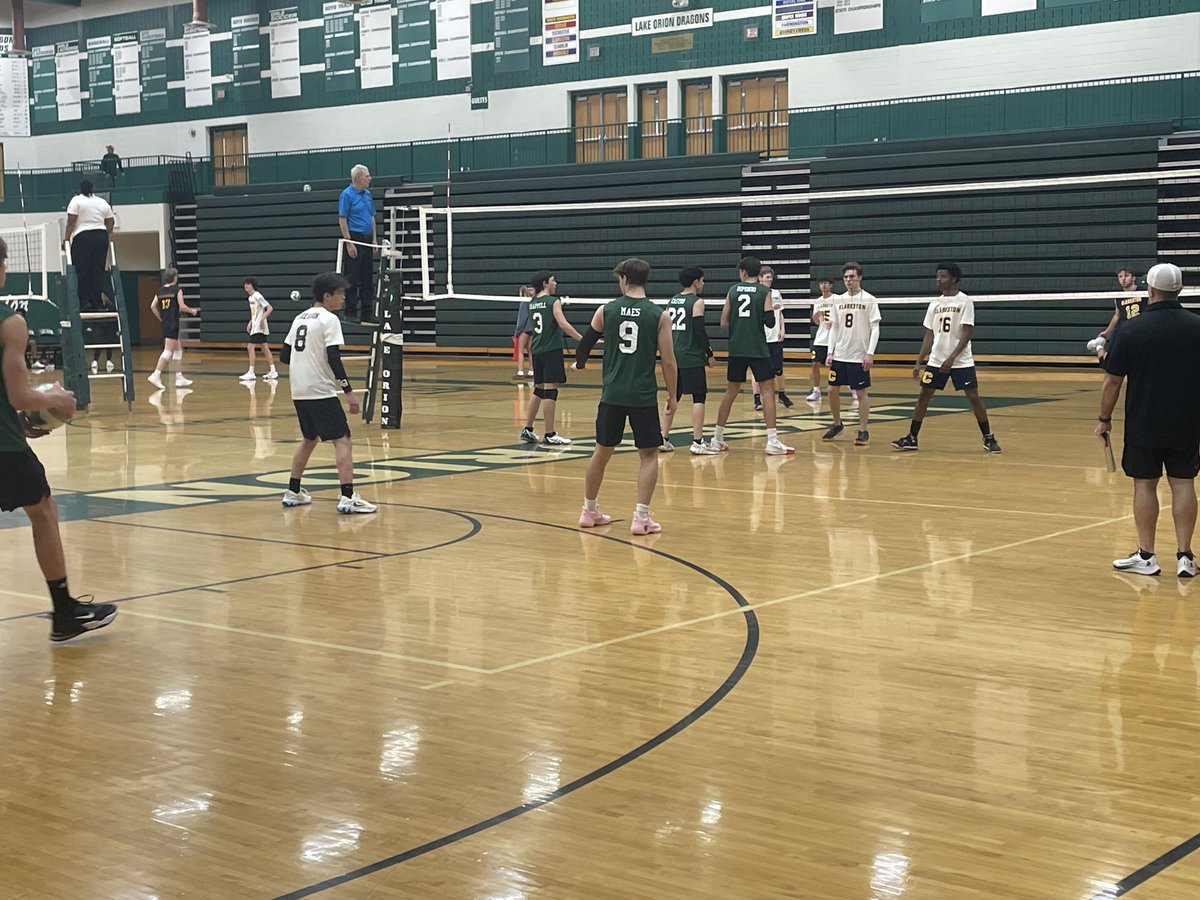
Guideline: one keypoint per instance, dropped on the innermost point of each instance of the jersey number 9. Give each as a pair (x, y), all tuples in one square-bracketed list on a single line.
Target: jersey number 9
[(628, 332)]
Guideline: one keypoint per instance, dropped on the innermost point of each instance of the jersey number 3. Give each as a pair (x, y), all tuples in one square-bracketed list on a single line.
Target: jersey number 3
[(537, 323)]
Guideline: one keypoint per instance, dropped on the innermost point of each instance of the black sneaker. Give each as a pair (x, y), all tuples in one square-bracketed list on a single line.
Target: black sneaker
[(990, 445), (862, 439), (88, 616), (757, 403), (908, 442), (785, 400), (834, 431), (528, 436)]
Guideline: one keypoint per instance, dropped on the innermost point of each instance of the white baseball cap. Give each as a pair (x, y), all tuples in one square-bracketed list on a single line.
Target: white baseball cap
[(1165, 277)]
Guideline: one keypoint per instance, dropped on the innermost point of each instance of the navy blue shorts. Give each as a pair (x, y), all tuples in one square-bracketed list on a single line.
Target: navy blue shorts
[(963, 378), (849, 374)]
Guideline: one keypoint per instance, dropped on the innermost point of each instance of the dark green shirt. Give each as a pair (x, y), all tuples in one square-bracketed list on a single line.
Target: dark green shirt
[(547, 336), (746, 336), (630, 352), (12, 436), (688, 352)]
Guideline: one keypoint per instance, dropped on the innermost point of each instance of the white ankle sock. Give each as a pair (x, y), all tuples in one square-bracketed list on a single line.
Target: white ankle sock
[(590, 505), (642, 510)]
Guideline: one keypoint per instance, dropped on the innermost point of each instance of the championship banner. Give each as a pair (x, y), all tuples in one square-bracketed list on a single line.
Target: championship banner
[(414, 41), (341, 54), (197, 66), (100, 76), (794, 18), (127, 84), (45, 85), (945, 10), (153, 60), (851, 16), (453, 48), (14, 95), (375, 67), (1000, 7), (66, 77), (247, 56), (560, 32), (283, 34), (510, 29)]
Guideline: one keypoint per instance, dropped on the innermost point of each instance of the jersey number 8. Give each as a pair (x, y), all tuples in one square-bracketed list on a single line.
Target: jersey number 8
[(301, 338)]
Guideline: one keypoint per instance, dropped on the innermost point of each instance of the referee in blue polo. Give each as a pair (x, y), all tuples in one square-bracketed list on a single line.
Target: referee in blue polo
[(356, 219)]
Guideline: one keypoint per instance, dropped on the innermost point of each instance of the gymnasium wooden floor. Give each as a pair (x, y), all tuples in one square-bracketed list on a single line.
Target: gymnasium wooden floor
[(848, 674)]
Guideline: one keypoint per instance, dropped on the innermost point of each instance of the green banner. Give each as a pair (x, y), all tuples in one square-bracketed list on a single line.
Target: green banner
[(45, 86), (341, 47), (247, 56), (100, 76), (414, 41), (511, 29), (944, 10), (154, 69)]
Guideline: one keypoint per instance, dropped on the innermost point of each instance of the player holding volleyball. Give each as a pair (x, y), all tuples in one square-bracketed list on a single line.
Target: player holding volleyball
[(23, 481)]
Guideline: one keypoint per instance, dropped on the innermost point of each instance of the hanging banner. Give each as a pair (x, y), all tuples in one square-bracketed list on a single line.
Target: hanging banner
[(453, 39), (999, 7), (560, 32), (283, 33), (45, 85), (14, 95), (794, 18), (247, 56), (100, 76), (127, 86), (340, 51), (153, 59), (66, 73), (510, 27), (375, 67), (850, 16), (197, 66), (414, 41), (945, 10)]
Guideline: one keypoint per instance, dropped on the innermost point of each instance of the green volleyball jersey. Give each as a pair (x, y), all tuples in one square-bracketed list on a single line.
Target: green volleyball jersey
[(746, 336), (630, 352), (12, 436), (688, 352), (547, 336)]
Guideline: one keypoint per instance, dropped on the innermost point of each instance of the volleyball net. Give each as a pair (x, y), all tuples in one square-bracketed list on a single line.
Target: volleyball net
[(32, 256)]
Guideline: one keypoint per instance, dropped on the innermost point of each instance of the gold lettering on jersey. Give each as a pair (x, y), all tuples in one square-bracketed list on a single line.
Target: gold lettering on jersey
[(1132, 307), (947, 309), (842, 306)]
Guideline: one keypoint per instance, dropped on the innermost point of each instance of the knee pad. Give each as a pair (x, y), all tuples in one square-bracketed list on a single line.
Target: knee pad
[(178, 354), (540, 393), (551, 394), (699, 398)]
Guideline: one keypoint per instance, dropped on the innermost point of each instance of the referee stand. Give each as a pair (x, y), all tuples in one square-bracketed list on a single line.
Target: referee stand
[(75, 349)]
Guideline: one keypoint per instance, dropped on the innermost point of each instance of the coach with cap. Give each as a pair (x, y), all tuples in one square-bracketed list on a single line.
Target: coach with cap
[(356, 218), (1159, 352)]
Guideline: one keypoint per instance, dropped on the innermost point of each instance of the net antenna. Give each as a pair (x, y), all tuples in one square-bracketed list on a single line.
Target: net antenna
[(449, 217)]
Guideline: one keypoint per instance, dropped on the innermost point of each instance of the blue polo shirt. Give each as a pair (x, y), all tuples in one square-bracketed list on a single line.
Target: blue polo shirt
[(357, 208)]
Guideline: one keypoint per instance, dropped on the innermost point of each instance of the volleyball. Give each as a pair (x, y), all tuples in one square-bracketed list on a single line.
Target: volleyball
[(295, 295), (307, 188), (45, 418)]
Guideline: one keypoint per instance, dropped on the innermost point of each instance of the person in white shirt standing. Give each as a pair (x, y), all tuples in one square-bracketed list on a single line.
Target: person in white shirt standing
[(89, 227), (258, 330), (776, 336), (853, 337), (313, 350), (946, 357), (821, 317)]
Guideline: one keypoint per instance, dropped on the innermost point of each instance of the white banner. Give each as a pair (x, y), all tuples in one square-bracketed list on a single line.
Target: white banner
[(850, 16), (66, 74), (664, 23), (14, 95), (999, 7), (453, 51), (560, 32), (283, 34), (375, 47), (127, 81), (6, 42), (793, 18), (197, 66)]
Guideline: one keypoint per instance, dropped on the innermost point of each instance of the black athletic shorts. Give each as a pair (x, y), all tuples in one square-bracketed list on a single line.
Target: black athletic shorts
[(692, 380), (1149, 462), (775, 348), (22, 480), (171, 334), (323, 419), (549, 368), (820, 353), (760, 366), (962, 378), (259, 338), (643, 420), (849, 374)]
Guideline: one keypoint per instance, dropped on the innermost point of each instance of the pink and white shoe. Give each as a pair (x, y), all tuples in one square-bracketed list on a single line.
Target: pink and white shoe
[(644, 525), (590, 518)]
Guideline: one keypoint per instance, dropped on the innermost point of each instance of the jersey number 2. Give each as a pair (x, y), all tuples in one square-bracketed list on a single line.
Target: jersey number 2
[(743, 306), (678, 316)]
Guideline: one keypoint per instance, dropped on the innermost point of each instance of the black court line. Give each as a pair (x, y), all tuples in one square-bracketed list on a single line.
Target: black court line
[(476, 527), (1152, 868), (739, 670)]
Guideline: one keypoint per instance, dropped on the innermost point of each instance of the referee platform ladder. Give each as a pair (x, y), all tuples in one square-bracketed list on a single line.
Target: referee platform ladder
[(107, 329)]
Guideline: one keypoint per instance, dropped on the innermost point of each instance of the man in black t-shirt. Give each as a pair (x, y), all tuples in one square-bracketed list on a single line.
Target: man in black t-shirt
[(1158, 353)]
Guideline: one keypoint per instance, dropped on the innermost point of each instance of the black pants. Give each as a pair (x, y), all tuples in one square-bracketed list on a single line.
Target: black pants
[(89, 253), (361, 274)]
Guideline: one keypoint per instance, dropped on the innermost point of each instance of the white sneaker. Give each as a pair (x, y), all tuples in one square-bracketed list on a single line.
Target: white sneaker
[(814, 394), (556, 440), (38, 366), (1186, 568), (296, 498), (271, 376), (155, 379), (666, 447), (717, 444), (248, 375), (1134, 564), (776, 447), (699, 448), (355, 504), (108, 366), (180, 381), (95, 367)]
